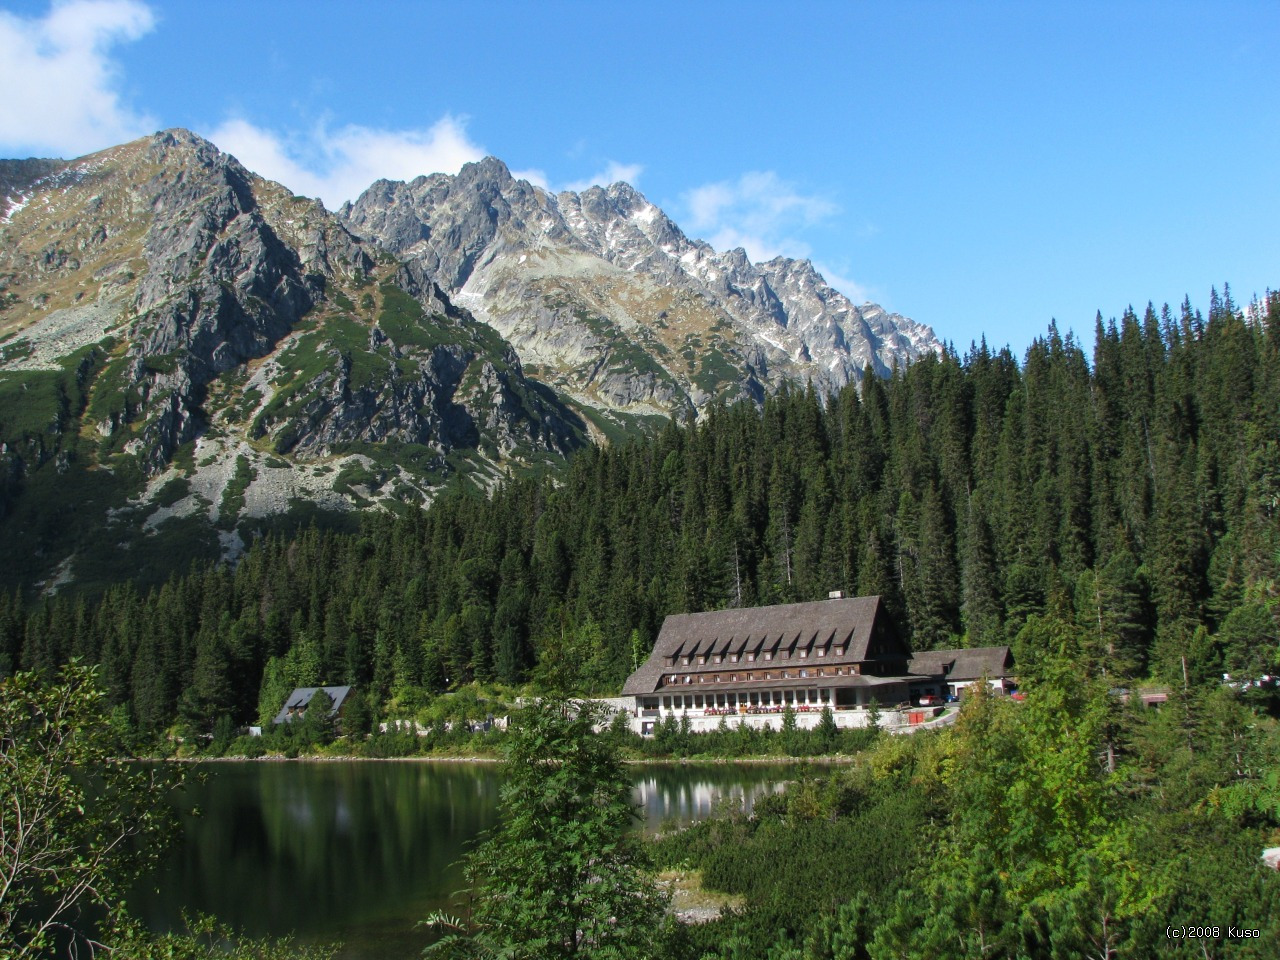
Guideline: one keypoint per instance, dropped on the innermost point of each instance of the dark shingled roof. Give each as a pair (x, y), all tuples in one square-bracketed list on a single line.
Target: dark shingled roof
[(784, 631), (300, 697), (969, 664)]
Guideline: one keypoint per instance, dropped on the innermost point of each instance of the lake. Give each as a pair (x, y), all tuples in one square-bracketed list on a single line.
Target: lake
[(361, 851)]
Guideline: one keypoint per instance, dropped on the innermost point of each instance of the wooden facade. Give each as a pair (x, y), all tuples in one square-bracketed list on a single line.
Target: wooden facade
[(841, 653)]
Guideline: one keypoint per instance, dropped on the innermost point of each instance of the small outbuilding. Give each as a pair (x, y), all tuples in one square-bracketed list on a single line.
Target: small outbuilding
[(949, 672)]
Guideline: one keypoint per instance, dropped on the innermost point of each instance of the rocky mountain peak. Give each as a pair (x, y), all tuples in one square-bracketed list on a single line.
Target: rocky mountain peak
[(601, 292), (194, 306)]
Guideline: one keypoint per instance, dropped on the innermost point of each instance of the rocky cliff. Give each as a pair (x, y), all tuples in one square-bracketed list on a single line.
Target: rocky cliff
[(224, 348), (604, 297), (185, 346)]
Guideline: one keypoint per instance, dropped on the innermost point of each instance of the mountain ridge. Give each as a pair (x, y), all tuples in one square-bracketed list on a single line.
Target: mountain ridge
[(188, 350), (566, 276), (185, 340)]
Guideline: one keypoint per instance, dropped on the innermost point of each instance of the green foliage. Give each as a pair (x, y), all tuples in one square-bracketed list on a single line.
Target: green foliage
[(233, 493), (562, 875), (972, 494), (79, 822), (206, 939), (406, 323)]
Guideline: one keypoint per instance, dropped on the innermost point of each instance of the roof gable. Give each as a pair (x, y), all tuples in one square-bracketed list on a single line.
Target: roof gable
[(297, 701), (966, 664), (766, 633)]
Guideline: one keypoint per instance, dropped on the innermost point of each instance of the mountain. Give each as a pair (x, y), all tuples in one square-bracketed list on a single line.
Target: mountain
[(188, 350), (180, 338), (608, 301)]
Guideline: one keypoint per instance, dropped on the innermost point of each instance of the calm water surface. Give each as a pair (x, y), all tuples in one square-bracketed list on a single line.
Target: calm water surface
[(360, 852)]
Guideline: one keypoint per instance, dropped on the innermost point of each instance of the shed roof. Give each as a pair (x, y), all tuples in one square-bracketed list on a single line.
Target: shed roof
[(971, 663)]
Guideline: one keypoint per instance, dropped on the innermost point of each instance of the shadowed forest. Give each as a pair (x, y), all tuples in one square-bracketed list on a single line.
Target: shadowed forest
[(1136, 494)]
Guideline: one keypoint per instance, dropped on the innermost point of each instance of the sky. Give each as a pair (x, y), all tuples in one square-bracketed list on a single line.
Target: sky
[(985, 168)]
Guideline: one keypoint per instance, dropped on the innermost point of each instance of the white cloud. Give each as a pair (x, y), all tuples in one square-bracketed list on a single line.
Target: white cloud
[(837, 279), (758, 212), (61, 85), (612, 173), (339, 165), (537, 177)]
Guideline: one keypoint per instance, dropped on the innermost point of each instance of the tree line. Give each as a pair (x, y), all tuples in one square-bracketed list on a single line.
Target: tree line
[(1135, 493)]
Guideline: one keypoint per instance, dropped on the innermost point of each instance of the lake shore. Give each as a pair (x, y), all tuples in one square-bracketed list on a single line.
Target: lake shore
[(786, 760)]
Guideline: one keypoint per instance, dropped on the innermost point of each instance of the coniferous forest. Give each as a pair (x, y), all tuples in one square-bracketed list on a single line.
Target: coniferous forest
[(1135, 492)]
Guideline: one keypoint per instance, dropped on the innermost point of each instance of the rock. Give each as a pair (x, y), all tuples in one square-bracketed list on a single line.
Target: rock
[(603, 290)]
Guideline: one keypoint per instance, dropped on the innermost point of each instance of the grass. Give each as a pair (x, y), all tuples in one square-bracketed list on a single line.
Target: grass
[(233, 494), (714, 369), (356, 474), (113, 393), (165, 363), (174, 490), (401, 319), (619, 427), (31, 402)]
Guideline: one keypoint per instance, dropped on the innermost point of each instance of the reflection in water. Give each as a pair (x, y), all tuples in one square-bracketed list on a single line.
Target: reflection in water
[(679, 795), (360, 852)]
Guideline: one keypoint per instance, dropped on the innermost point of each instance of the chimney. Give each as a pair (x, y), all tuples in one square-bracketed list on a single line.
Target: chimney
[(835, 595)]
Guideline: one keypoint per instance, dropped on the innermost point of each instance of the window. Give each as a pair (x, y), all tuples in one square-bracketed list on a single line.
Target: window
[(803, 654), (769, 655), (750, 657), (702, 659), (719, 658), (686, 661), (822, 651), (733, 658)]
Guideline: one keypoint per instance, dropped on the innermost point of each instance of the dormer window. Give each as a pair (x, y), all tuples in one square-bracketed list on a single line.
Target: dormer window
[(822, 651), (702, 659), (733, 658), (768, 655), (839, 651), (719, 658), (750, 657), (686, 661), (803, 654)]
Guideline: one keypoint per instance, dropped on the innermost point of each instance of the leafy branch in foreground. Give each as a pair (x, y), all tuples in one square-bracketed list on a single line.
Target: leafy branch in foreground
[(72, 809), (562, 875)]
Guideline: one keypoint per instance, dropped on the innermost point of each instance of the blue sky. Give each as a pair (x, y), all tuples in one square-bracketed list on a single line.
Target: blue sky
[(982, 168)]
